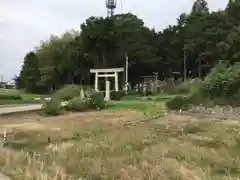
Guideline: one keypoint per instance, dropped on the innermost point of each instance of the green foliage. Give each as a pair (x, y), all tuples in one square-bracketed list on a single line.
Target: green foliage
[(30, 74), (68, 92), (200, 6), (176, 103), (96, 100), (10, 96), (52, 107), (103, 42), (78, 104), (117, 95), (220, 87), (223, 81)]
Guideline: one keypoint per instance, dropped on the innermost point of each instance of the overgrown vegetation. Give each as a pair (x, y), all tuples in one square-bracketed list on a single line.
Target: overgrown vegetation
[(52, 107), (78, 105), (103, 148), (220, 87), (96, 100), (70, 98), (68, 92)]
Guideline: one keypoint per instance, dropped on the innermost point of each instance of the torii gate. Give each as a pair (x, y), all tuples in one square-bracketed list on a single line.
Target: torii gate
[(113, 72)]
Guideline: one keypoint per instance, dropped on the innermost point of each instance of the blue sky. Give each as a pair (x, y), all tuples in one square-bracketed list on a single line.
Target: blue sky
[(24, 23)]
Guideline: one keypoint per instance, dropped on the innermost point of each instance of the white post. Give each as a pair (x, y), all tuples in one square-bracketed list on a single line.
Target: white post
[(82, 95), (126, 80), (107, 92), (116, 82), (4, 135), (96, 81)]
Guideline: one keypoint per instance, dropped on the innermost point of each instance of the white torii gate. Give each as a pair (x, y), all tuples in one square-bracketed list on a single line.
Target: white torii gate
[(113, 72)]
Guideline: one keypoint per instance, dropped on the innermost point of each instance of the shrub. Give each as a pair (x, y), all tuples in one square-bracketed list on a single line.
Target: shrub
[(221, 81), (78, 104), (117, 95), (52, 107), (96, 100), (10, 96), (68, 92), (177, 102)]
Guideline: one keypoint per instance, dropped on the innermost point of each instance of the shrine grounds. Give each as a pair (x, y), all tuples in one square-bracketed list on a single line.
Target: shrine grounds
[(133, 139)]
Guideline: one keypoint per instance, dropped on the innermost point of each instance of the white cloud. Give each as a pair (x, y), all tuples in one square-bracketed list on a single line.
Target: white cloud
[(23, 23)]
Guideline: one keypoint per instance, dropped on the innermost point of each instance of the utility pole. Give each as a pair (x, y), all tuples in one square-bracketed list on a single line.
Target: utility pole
[(126, 74), (185, 64)]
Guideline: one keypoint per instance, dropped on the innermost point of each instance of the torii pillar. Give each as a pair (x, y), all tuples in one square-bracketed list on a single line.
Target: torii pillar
[(104, 73)]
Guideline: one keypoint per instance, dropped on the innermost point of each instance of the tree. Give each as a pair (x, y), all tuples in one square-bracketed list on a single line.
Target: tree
[(200, 6), (52, 58), (29, 75), (103, 42)]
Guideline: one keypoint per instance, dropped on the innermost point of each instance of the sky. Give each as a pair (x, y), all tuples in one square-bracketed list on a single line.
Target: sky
[(24, 23)]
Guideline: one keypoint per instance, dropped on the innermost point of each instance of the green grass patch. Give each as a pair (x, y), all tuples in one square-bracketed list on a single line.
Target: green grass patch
[(15, 96), (148, 107)]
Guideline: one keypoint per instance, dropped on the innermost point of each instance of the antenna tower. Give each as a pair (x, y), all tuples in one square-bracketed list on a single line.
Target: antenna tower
[(111, 6)]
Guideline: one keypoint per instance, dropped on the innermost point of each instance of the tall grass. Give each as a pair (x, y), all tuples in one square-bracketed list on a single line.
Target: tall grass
[(170, 149)]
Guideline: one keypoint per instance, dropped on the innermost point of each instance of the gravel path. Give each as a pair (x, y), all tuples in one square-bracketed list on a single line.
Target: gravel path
[(21, 108)]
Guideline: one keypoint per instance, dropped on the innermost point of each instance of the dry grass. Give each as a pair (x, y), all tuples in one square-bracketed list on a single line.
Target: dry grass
[(99, 146)]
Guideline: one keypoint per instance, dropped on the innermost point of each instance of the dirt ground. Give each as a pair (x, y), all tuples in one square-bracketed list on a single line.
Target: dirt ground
[(35, 122), (120, 144)]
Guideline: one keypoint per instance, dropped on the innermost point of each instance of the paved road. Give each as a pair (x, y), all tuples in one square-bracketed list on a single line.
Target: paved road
[(21, 108)]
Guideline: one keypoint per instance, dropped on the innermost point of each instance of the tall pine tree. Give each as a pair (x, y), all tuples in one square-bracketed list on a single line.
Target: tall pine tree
[(200, 6)]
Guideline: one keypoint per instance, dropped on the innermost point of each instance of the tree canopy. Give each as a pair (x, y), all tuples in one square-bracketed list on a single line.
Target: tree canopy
[(103, 42)]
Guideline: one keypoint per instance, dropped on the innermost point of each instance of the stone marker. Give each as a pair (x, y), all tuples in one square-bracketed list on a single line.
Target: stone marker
[(144, 89), (82, 95), (107, 92)]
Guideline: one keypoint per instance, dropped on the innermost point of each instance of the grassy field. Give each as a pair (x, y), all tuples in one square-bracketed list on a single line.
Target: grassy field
[(121, 143), (25, 98), (151, 105)]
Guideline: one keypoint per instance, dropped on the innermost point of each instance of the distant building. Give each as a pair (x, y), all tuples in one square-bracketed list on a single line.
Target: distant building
[(9, 85)]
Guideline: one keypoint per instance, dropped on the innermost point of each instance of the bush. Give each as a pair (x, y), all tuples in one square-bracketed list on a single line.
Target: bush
[(78, 104), (223, 81), (10, 96), (117, 95), (68, 92), (96, 100), (52, 107), (177, 102)]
